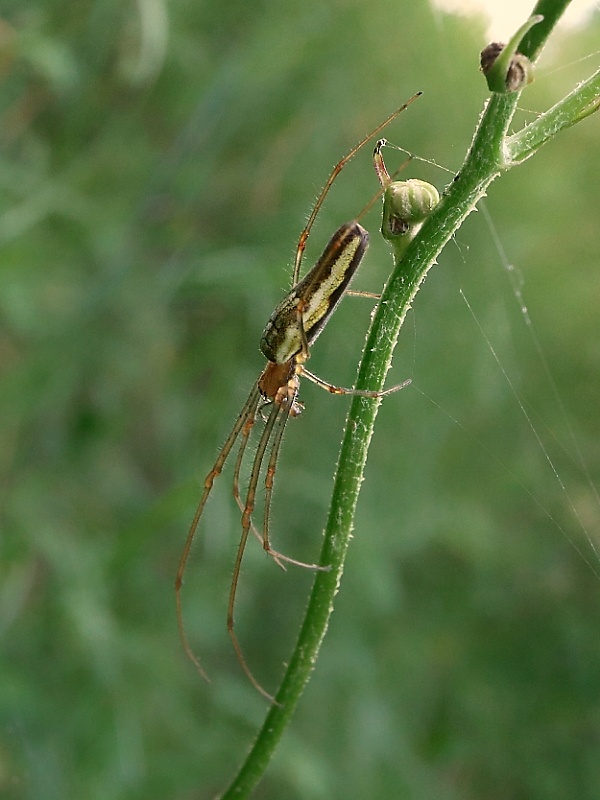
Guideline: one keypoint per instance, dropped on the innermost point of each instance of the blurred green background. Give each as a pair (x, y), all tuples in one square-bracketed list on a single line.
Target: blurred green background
[(157, 164)]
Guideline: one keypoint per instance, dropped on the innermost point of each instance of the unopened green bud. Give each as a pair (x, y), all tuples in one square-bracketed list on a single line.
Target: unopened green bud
[(406, 204), (505, 68), (518, 73)]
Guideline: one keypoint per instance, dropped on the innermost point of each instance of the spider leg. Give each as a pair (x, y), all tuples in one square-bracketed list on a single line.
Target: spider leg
[(286, 411), (246, 527), (369, 295), (277, 557), (329, 387), (245, 419), (334, 173), (246, 430)]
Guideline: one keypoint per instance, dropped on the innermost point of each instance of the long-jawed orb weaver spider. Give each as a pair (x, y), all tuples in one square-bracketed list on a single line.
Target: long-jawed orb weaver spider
[(285, 342)]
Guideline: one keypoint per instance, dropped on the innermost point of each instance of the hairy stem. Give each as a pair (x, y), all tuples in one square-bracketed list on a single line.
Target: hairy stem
[(491, 153)]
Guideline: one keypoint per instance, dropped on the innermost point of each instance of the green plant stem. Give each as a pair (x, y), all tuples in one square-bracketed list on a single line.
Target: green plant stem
[(485, 160), (535, 39), (577, 105)]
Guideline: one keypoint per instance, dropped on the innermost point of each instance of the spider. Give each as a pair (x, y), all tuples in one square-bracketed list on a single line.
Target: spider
[(286, 341)]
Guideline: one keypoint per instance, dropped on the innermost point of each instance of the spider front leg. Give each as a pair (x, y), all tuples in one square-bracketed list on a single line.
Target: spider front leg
[(246, 527), (245, 433), (247, 414), (289, 407)]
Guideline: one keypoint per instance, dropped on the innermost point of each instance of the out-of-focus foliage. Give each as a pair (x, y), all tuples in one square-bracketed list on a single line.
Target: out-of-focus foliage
[(157, 162)]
